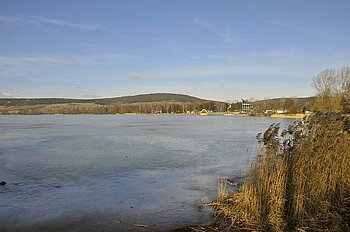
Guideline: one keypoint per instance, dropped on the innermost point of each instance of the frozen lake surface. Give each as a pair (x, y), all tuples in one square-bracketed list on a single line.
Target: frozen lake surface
[(111, 172)]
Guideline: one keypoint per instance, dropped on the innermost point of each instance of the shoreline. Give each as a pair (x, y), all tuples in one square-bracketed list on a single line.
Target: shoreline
[(288, 116), (296, 116)]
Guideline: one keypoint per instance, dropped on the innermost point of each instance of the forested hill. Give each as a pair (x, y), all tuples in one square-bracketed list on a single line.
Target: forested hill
[(154, 97)]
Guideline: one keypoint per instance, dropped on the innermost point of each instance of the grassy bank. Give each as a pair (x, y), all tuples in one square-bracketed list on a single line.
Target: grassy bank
[(300, 180), (300, 115)]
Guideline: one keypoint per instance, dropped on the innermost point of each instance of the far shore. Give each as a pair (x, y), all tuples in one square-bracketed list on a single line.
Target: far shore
[(291, 116), (297, 116)]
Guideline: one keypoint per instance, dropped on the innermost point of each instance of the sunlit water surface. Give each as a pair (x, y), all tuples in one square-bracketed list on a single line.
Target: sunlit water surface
[(115, 172)]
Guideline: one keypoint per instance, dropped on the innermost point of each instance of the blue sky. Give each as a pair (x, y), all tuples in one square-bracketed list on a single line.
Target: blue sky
[(221, 50)]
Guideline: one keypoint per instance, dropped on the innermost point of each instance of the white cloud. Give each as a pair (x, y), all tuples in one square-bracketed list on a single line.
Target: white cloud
[(204, 23), (224, 33), (299, 27), (35, 20), (6, 95), (22, 60), (135, 77), (210, 71), (290, 52), (91, 96), (67, 59)]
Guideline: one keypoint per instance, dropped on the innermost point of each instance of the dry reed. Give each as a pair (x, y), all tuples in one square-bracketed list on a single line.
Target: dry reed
[(300, 180)]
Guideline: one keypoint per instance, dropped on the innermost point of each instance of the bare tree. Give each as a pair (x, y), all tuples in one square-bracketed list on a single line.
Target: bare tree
[(344, 79), (325, 84), (333, 89), (344, 87)]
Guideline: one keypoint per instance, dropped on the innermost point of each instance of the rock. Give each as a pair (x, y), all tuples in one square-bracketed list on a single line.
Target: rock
[(234, 181), (2, 183)]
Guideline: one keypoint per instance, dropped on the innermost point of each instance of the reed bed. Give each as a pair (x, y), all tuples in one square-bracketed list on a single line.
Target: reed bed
[(299, 181)]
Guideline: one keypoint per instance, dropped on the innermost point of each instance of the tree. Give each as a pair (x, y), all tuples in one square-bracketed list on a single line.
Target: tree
[(333, 90), (291, 105), (325, 85), (344, 88)]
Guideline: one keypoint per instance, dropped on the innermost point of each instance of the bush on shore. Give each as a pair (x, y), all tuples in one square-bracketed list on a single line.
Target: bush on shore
[(300, 180)]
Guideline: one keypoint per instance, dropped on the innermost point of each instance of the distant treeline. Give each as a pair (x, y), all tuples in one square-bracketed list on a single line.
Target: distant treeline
[(143, 104), (290, 105), (118, 108), (77, 106)]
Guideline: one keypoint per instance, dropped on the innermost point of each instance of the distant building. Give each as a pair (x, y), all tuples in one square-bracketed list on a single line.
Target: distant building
[(203, 112), (281, 111), (245, 106)]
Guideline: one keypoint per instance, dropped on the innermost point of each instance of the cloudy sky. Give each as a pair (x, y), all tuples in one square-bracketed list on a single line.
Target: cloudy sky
[(216, 49)]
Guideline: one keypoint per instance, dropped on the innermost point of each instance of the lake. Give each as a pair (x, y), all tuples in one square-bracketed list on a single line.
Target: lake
[(118, 172)]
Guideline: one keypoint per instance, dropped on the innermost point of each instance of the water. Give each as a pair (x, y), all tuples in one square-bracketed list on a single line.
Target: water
[(114, 172)]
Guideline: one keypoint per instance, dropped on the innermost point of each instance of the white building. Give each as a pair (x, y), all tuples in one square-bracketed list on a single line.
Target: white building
[(245, 106)]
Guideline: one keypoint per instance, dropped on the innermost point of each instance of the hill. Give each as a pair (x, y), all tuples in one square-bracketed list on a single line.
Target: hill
[(153, 97), (143, 103), (276, 101)]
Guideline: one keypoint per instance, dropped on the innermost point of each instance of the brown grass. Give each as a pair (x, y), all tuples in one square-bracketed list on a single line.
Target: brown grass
[(300, 180)]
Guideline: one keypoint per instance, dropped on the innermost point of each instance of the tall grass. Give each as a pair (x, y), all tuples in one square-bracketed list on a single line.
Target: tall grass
[(300, 180)]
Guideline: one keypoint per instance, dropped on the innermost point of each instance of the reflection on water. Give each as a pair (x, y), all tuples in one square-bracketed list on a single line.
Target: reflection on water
[(85, 172)]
